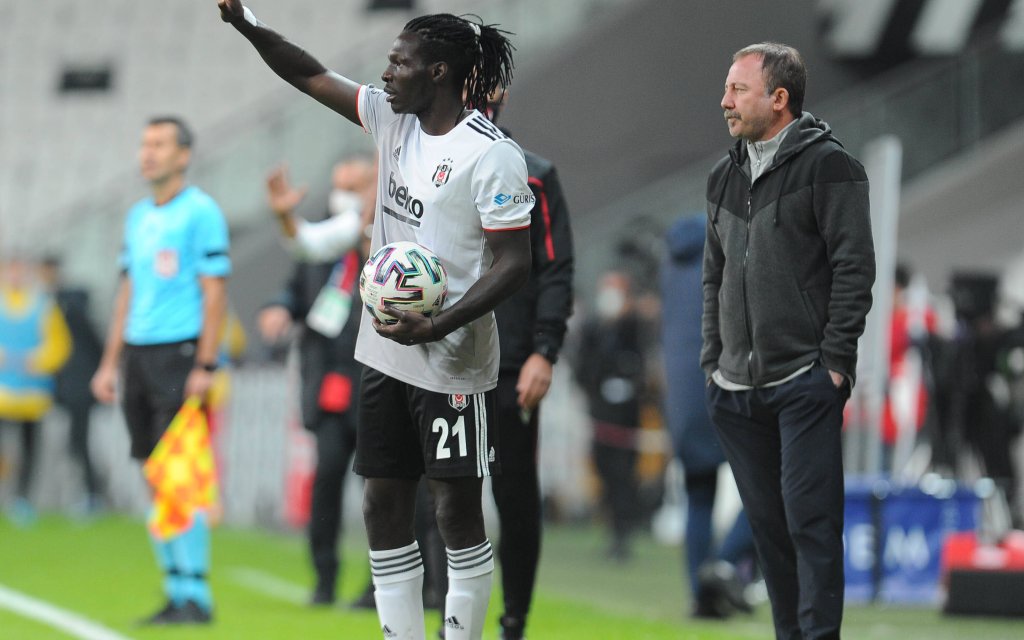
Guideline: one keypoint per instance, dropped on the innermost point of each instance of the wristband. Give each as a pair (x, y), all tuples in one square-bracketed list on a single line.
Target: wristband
[(249, 17), (209, 367)]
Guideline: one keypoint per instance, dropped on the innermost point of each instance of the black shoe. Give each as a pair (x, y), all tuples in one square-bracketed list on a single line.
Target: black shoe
[(705, 609), (512, 628), (620, 551), (721, 588), (366, 600), (169, 614), (322, 597), (192, 613)]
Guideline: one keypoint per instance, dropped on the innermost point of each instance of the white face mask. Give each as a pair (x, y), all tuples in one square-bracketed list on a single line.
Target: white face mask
[(609, 303), (342, 202)]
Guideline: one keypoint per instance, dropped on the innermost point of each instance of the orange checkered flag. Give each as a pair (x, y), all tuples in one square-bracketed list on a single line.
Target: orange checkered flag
[(181, 472)]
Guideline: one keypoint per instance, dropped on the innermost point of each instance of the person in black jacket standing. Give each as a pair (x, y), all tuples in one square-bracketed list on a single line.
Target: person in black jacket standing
[(324, 297), (531, 329), (788, 270)]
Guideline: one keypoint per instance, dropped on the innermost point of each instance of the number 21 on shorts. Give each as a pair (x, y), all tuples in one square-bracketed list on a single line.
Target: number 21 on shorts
[(456, 431)]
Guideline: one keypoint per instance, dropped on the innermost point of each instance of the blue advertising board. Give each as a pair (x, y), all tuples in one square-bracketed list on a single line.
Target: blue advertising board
[(893, 539)]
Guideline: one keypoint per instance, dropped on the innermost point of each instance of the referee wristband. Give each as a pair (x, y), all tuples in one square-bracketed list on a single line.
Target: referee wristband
[(209, 367)]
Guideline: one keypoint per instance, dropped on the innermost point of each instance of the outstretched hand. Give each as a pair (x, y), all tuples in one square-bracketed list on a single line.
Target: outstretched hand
[(230, 10), (281, 195)]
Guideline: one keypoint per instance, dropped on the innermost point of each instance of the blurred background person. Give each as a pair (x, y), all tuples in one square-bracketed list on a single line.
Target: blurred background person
[(907, 396), (715, 585), (34, 344), (609, 366), (977, 409), (72, 381), (342, 226), (322, 296)]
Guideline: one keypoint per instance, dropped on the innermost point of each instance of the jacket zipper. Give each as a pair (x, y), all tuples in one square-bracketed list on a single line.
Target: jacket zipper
[(746, 306)]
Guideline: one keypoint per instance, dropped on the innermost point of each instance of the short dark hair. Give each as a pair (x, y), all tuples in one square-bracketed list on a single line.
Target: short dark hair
[(902, 275), (783, 66), (184, 136), (478, 55)]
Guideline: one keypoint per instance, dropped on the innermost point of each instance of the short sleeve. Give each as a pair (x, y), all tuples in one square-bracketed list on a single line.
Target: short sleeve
[(374, 111), (124, 261), (500, 188), (212, 238)]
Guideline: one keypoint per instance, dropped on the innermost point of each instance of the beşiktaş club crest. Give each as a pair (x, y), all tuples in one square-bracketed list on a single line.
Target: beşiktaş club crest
[(458, 401), (443, 172)]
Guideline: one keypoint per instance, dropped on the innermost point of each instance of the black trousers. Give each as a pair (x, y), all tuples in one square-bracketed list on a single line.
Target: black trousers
[(78, 444), (616, 466), (517, 496), (335, 446), (29, 441), (784, 445)]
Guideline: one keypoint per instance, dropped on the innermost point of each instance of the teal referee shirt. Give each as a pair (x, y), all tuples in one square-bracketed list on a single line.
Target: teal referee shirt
[(166, 250)]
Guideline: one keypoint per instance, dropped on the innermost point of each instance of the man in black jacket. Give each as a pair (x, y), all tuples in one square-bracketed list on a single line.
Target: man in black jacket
[(531, 327), (788, 270)]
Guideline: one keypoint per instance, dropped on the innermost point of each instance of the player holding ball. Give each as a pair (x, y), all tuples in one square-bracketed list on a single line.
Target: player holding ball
[(454, 183)]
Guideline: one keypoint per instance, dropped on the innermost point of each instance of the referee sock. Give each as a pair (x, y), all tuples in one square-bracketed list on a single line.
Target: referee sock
[(191, 551), (469, 590), (398, 591), (172, 577)]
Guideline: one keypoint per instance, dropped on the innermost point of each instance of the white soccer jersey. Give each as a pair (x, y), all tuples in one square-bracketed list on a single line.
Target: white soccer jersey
[(443, 192)]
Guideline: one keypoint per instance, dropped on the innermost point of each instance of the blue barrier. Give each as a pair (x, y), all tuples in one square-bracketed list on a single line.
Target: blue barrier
[(893, 538)]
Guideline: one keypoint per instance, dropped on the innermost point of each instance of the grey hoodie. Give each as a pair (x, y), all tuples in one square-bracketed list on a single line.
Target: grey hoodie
[(788, 262)]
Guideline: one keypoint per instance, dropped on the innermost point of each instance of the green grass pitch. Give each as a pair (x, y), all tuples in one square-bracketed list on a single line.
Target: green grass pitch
[(104, 571)]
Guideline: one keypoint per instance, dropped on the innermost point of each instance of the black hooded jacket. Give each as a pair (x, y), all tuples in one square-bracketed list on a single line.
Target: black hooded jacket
[(788, 261)]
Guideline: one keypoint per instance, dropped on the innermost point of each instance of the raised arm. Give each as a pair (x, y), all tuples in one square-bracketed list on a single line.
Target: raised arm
[(292, 63)]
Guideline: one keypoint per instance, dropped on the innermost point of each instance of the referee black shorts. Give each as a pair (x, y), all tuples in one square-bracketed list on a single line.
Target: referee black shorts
[(153, 390), (405, 431)]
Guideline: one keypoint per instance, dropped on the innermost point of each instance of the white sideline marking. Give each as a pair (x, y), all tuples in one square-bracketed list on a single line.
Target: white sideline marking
[(48, 614), (268, 584)]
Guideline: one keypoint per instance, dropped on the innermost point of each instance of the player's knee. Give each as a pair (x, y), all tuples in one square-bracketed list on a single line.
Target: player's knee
[(379, 508), (461, 522)]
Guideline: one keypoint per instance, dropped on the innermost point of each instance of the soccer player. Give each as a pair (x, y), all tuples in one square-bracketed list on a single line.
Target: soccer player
[(451, 181), (164, 335)]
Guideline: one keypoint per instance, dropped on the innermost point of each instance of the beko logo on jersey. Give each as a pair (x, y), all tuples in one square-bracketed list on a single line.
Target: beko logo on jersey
[(403, 198), (520, 198)]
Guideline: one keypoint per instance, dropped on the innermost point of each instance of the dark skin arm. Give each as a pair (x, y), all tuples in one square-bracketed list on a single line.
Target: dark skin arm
[(509, 271), (293, 64)]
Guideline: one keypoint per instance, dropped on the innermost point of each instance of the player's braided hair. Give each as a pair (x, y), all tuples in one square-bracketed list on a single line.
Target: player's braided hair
[(478, 55)]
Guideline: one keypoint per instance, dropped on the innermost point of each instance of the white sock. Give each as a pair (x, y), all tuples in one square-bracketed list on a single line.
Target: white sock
[(398, 592), (469, 590)]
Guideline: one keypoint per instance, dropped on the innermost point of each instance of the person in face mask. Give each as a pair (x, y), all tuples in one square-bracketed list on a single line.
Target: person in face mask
[(320, 299), (352, 197), (610, 368)]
